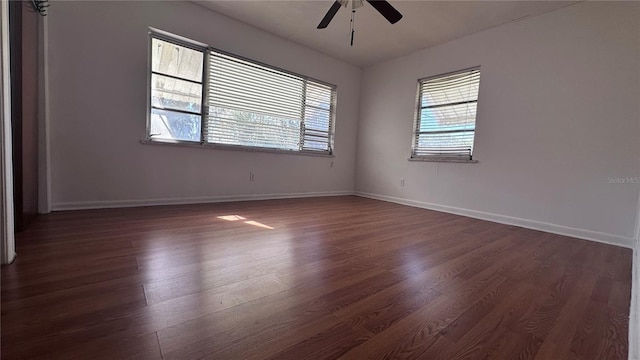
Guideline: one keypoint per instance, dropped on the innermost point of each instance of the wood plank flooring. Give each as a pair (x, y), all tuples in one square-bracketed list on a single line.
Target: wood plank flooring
[(323, 278)]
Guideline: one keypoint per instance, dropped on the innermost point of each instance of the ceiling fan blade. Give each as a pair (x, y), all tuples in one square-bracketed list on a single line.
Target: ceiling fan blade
[(388, 11), (330, 14)]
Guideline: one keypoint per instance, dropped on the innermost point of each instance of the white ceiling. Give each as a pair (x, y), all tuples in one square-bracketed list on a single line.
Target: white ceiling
[(424, 23)]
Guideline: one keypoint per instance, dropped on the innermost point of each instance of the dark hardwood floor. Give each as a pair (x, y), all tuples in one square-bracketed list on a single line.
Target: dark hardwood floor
[(322, 278)]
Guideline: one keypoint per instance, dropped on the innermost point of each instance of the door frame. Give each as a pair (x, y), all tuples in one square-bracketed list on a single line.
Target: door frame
[(7, 239)]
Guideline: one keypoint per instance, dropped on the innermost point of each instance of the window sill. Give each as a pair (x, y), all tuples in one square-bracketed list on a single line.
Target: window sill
[(425, 159), (233, 147)]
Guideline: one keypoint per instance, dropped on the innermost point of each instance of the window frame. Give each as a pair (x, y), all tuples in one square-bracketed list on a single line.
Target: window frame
[(415, 131), (206, 50), (184, 42)]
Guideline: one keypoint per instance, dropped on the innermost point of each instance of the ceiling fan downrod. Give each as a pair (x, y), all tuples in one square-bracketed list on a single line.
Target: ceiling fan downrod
[(353, 14)]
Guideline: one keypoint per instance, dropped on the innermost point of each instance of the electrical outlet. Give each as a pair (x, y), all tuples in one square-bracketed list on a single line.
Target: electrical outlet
[(252, 176)]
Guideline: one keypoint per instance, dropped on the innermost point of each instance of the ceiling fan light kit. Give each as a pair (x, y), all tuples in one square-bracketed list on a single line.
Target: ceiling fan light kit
[(382, 6)]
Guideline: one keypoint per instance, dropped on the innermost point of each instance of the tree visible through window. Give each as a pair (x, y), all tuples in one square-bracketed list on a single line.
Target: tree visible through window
[(446, 116), (233, 101)]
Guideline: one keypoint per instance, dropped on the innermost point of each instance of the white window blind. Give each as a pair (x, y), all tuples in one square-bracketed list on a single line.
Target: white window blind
[(249, 104), (446, 116), (317, 123), (252, 105)]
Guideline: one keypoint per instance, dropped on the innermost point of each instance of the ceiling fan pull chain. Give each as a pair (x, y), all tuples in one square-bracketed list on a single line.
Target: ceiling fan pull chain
[(353, 13)]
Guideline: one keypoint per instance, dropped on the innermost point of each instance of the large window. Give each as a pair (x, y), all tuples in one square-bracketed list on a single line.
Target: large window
[(446, 116), (203, 95)]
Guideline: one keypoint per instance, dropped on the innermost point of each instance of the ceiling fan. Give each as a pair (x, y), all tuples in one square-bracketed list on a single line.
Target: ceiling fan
[(384, 8)]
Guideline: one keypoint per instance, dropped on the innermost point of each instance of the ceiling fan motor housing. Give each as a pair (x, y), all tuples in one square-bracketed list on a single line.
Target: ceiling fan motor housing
[(353, 4)]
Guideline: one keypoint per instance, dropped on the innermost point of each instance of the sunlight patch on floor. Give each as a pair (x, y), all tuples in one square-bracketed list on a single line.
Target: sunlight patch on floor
[(249, 222)]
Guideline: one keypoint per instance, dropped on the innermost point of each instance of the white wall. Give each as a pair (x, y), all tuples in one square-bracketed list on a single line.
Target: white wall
[(97, 57), (558, 115)]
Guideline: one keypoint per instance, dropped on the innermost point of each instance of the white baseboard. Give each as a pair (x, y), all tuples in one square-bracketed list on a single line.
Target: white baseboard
[(82, 205), (509, 220), (503, 219)]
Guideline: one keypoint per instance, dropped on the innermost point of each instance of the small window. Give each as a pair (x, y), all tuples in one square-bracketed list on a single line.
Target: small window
[(446, 116), (235, 102)]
